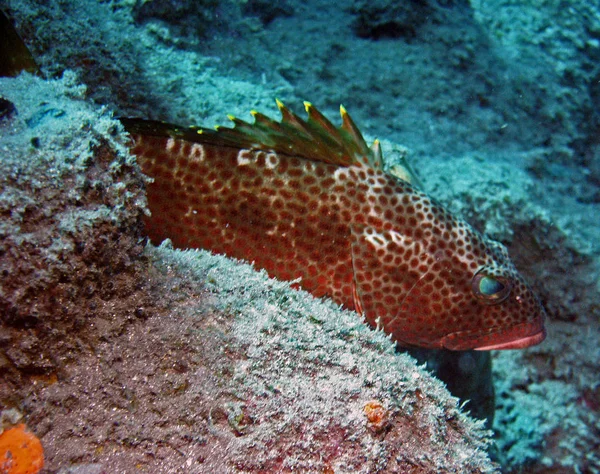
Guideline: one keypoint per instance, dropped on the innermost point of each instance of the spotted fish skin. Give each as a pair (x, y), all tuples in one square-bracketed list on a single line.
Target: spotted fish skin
[(344, 227)]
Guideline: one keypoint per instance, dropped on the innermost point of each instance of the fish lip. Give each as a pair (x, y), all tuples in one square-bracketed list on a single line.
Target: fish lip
[(518, 337), (521, 343)]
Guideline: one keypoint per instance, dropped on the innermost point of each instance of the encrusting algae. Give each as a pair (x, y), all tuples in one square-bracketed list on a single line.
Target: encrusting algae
[(309, 201)]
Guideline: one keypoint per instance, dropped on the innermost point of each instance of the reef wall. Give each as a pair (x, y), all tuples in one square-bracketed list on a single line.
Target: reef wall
[(496, 105)]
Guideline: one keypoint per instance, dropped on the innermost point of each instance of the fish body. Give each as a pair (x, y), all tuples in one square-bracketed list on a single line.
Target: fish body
[(307, 201)]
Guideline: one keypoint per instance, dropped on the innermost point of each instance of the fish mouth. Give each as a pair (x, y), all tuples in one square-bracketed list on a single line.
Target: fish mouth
[(518, 337), (521, 343)]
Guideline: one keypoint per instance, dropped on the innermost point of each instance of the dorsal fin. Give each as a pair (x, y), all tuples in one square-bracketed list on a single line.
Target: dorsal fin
[(315, 138)]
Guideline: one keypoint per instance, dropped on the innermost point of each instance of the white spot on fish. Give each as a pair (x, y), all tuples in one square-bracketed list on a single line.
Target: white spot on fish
[(340, 174), (376, 240), (197, 153), (271, 160), (244, 157)]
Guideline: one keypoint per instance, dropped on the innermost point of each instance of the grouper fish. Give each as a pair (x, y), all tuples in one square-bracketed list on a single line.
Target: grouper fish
[(311, 202)]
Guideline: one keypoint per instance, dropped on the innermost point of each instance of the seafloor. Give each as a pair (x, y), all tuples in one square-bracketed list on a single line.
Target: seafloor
[(126, 357)]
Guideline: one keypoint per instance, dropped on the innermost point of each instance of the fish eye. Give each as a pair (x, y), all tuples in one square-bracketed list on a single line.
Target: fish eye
[(490, 288)]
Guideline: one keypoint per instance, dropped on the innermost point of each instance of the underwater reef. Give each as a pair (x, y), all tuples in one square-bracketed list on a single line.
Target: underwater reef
[(122, 356)]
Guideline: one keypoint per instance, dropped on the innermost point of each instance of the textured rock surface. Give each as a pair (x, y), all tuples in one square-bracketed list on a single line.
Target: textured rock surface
[(70, 204)]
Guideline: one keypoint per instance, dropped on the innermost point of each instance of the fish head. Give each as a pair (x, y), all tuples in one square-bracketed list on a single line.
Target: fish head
[(438, 283), (503, 310)]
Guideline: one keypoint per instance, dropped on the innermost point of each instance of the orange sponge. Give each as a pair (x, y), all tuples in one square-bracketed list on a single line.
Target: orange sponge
[(21, 451)]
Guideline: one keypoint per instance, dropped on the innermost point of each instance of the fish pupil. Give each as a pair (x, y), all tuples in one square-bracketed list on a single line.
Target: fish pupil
[(490, 289), (489, 286)]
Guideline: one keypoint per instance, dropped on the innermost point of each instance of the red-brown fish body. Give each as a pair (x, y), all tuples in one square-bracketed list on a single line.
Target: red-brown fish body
[(285, 214), (339, 224)]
